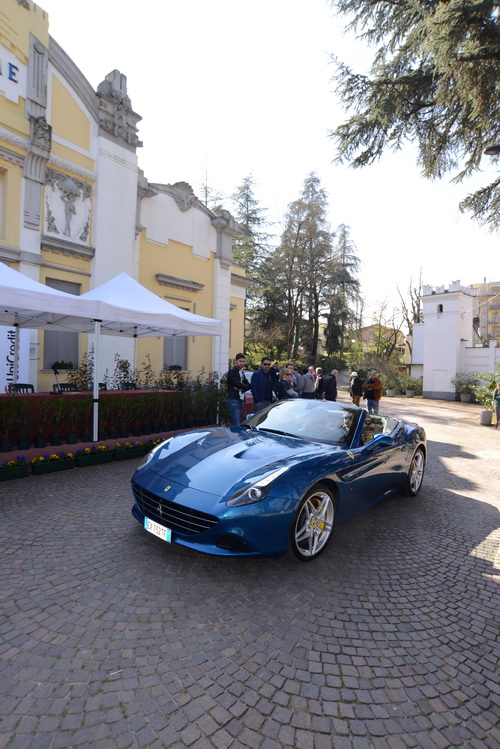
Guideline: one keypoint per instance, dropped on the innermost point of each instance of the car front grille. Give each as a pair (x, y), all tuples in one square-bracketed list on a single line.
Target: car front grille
[(176, 517)]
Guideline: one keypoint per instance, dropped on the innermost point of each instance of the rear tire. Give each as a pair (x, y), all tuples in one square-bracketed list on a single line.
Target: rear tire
[(313, 524), (415, 474)]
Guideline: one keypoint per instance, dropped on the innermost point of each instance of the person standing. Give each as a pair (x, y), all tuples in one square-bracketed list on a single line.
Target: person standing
[(299, 381), (237, 385), (262, 385), (372, 390), (496, 403), (356, 388), (308, 385), (285, 385), (319, 383), (330, 386), (274, 371)]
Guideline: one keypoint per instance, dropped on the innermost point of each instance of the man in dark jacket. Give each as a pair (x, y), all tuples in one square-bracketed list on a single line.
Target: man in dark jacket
[(237, 385), (330, 386), (262, 385), (356, 388), (372, 391)]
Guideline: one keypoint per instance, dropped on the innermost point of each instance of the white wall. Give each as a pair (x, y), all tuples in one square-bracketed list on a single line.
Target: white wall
[(163, 220), (482, 359), (447, 331)]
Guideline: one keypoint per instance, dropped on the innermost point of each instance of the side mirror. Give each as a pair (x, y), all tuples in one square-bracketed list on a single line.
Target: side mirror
[(380, 440)]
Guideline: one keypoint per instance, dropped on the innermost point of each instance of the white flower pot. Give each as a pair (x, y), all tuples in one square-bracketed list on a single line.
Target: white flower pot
[(485, 417)]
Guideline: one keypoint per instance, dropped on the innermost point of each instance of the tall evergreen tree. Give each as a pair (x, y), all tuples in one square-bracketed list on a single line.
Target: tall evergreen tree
[(434, 81), (344, 291), (253, 246), (299, 264)]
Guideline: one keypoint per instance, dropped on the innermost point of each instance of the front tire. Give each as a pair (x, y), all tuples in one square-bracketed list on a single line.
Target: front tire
[(415, 474), (313, 524)]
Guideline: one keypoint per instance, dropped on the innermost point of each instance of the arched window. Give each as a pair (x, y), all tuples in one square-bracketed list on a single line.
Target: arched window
[(440, 309)]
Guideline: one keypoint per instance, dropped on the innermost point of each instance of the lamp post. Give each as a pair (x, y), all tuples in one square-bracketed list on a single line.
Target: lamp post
[(492, 150)]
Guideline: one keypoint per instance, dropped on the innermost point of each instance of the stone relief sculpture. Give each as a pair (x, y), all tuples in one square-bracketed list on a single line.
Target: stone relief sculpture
[(116, 115), (183, 194), (69, 193), (67, 206), (42, 133)]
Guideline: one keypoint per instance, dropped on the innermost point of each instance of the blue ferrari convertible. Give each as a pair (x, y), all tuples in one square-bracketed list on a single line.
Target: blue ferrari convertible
[(279, 482)]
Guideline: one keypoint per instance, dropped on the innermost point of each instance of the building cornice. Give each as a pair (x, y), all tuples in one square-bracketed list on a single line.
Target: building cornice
[(245, 283), (184, 196), (178, 283), (12, 156), (66, 247)]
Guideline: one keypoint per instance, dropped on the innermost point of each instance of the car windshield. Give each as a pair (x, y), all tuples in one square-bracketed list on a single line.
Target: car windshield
[(319, 421)]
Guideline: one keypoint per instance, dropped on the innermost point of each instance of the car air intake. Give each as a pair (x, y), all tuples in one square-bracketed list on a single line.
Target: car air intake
[(178, 518)]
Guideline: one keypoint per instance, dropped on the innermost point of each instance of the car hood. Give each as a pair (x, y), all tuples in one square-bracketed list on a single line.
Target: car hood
[(215, 460)]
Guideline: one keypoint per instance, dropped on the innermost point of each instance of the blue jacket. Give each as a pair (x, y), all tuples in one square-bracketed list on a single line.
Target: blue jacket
[(262, 386)]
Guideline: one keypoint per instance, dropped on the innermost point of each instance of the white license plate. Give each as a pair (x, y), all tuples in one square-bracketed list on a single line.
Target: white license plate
[(158, 530)]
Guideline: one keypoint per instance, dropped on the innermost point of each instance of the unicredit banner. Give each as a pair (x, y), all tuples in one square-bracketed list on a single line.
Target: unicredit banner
[(7, 339)]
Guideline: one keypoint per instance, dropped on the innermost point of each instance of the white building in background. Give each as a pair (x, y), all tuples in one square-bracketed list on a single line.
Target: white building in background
[(448, 342)]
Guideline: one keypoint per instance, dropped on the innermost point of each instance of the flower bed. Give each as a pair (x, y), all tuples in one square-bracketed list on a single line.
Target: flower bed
[(17, 468), (52, 462), (91, 456), (128, 450)]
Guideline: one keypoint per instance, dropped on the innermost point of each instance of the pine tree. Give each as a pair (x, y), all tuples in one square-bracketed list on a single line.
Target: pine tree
[(300, 263), (250, 249), (344, 292)]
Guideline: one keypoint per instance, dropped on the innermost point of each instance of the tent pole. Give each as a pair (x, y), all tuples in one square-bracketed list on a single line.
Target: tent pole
[(16, 353), (95, 396), (219, 375)]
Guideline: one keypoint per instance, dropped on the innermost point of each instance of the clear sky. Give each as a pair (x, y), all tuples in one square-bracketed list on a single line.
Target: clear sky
[(228, 88)]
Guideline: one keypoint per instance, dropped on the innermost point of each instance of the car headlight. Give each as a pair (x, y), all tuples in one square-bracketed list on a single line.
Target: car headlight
[(256, 491)]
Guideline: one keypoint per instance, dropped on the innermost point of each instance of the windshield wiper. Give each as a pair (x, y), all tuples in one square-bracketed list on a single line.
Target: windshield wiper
[(276, 431)]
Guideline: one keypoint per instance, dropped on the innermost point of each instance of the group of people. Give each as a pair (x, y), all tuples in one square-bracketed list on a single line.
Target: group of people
[(269, 383)]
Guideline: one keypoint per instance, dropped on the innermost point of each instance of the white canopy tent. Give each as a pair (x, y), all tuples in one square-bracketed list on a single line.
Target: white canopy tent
[(120, 306), (25, 303), (126, 308)]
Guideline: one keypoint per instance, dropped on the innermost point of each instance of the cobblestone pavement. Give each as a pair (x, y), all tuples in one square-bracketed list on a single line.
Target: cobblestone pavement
[(111, 638)]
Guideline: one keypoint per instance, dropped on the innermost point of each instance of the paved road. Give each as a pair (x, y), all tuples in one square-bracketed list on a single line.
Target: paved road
[(109, 638)]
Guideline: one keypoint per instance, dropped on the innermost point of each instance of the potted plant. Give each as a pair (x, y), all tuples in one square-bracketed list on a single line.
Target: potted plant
[(392, 385), (73, 406), (52, 462), (9, 418), (42, 420), (464, 383), (111, 404), (57, 365), (24, 423), (411, 385), (58, 416), (124, 411), (87, 415), (483, 391), (17, 468)]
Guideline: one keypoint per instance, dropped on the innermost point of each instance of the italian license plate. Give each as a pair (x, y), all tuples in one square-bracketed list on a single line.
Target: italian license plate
[(158, 530)]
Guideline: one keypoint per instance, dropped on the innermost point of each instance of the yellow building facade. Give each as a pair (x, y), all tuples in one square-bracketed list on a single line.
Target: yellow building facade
[(76, 209), (488, 310)]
